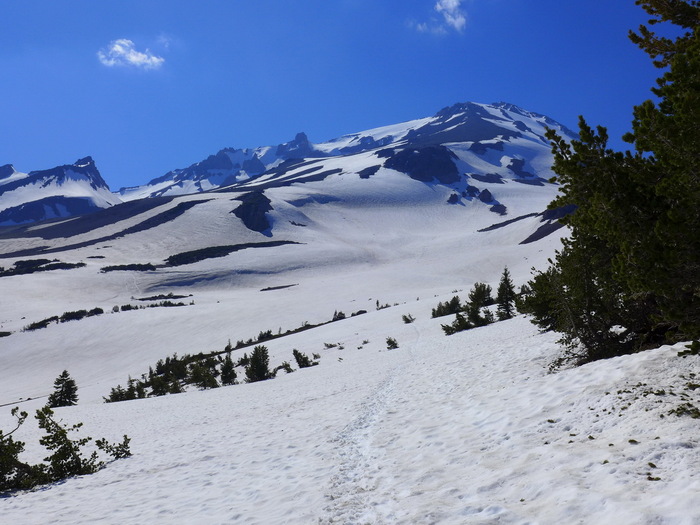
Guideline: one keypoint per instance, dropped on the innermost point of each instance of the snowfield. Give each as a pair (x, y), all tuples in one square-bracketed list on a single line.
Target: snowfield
[(467, 429), (463, 429)]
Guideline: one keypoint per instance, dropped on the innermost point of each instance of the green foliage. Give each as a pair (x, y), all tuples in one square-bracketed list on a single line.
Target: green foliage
[(284, 366), (447, 308), (302, 359), (692, 349), (202, 376), (65, 458), (41, 324), (505, 297), (628, 278), (228, 372), (458, 325), (480, 295), (65, 391), (408, 319), (258, 365), (539, 299), (391, 343), (14, 474)]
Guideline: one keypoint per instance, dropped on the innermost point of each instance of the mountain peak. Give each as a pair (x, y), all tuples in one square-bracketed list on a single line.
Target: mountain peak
[(298, 148), (85, 162), (7, 171)]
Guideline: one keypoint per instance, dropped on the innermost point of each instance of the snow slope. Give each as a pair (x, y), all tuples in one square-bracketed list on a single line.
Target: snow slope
[(466, 429)]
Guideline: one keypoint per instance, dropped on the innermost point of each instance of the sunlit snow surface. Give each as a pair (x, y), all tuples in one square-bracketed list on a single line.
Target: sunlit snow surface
[(465, 429)]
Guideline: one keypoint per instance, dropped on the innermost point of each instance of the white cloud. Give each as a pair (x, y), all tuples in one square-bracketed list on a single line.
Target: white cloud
[(121, 52), (452, 13), (451, 16)]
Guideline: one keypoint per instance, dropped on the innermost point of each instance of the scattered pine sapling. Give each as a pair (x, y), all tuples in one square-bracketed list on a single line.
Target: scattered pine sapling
[(391, 343), (302, 359), (408, 319), (284, 366)]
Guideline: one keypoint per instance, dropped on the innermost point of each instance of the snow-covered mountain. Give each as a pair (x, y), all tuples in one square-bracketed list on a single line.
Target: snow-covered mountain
[(64, 191), (381, 225), (465, 147)]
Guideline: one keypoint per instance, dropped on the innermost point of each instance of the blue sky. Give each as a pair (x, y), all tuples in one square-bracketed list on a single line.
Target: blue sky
[(152, 85)]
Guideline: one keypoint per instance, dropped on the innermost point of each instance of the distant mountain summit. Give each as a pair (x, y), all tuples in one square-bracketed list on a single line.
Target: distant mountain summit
[(467, 147), (64, 191), (479, 128)]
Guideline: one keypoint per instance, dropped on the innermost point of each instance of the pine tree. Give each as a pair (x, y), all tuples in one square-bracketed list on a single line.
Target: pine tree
[(505, 297), (202, 376), (480, 295), (65, 391), (228, 371), (258, 365), (477, 315), (628, 277)]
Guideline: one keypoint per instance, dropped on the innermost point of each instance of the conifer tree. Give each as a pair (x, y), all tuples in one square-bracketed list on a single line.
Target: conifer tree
[(258, 365), (202, 376), (505, 297), (65, 391), (303, 361), (628, 277), (228, 371), (480, 295)]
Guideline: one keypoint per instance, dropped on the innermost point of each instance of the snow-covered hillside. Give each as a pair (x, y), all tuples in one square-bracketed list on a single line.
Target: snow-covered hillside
[(461, 147), (487, 140), (470, 428)]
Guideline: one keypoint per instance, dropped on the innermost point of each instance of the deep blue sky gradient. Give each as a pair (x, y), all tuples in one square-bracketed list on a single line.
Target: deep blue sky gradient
[(244, 73)]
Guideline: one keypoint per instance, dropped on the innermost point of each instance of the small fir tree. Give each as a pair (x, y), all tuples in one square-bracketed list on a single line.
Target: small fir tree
[(258, 365), (228, 371), (505, 297), (65, 391)]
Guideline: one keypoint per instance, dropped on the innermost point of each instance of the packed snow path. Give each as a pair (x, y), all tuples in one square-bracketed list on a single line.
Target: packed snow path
[(451, 430)]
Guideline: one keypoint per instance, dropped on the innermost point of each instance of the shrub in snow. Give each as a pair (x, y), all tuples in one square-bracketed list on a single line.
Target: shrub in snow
[(302, 359), (284, 366), (458, 325), (391, 343), (65, 460), (408, 319)]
